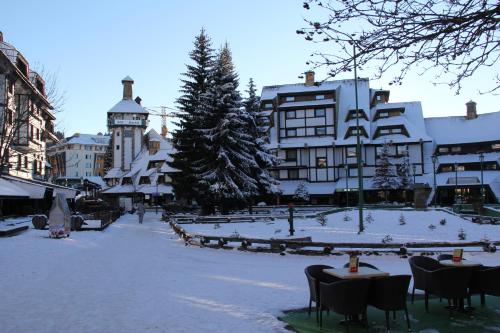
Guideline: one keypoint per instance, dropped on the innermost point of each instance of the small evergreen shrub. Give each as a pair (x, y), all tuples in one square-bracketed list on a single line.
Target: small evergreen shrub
[(402, 219), (461, 234), (431, 227)]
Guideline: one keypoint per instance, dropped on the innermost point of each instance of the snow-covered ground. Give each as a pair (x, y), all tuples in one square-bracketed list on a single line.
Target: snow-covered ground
[(141, 278), (337, 229), (15, 222)]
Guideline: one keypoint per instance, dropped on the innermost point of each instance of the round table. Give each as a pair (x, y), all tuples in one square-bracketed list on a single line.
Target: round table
[(462, 263)]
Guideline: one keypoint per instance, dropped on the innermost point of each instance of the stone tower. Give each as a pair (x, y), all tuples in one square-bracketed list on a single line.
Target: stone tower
[(127, 121)]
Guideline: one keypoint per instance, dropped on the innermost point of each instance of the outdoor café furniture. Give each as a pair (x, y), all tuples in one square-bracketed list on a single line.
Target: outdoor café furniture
[(445, 256), (421, 267), (362, 264), (485, 281), (389, 294), (347, 297), (315, 276), (448, 282), (362, 273)]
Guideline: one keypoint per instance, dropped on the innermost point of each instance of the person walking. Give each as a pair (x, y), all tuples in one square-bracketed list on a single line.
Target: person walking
[(140, 211)]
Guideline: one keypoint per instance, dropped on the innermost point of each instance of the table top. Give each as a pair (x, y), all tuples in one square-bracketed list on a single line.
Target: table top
[(362, 273), (463, 263)]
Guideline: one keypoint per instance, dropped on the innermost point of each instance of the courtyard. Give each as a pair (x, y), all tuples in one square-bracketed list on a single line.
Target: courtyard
[(142, 278)]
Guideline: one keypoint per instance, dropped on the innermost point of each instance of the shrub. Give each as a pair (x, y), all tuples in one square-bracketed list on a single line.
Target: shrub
[(346, 218), (321, 219), (431, 227), (402, 219), (369, 218), (442, 222), (387, 239), (461, 234)]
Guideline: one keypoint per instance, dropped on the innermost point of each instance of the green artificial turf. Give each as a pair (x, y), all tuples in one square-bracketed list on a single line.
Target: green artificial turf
[(482, 319)]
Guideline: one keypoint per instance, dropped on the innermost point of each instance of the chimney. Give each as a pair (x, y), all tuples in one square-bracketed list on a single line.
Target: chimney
[(164, 131), (1, 37), (471, 110), (309, 78), (127, 87), (138, 100)]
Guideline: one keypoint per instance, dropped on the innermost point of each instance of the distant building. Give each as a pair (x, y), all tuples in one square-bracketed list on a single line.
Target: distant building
[(312, 128), (127, 121), (149, 176), (77, 157)]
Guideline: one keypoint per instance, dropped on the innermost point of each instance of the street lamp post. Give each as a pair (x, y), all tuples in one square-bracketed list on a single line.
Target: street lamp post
[(346, 168), (481, 160), (456, 182), (358, 146), (414, 167), (434, 161)]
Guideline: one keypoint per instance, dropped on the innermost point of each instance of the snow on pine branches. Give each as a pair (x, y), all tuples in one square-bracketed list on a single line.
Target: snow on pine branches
[(220, 144), (386, 177)]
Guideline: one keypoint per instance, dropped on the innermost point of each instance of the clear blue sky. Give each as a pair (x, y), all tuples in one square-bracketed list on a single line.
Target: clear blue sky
[(92, 45)]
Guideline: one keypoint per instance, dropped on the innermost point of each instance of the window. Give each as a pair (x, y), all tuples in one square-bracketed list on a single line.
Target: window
[(320, 97), (460, 168), (268, 106), (291, 155), (144, 180), (19, 162), (291, 132), (320, 130), (321, 162), (351, 152), (378, 151), (383, 114), (352, 114), (319, 112), (117, 133), (290, 99), (291, 114), (88, 165), (457, 149), (495, 146), (126, 181), (31, 132), (87, 147), (401, 150), (26, 162), (447, 168), (293, 174), (117, 147), (443, 150), (161, 179), (38, 134)]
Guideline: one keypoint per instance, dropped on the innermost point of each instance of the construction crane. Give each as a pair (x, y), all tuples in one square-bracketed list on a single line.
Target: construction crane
[(161, 111)]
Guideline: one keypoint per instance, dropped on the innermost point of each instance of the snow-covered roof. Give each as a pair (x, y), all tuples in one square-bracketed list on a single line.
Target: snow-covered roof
[(154, 136), (85, 139), (288, 187), (139, 167), (127, 106), (97, 180), (270, 92), (320, 102), (458, 129), (127, 79)]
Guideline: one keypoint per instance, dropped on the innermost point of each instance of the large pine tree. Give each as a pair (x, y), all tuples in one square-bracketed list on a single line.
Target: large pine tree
[(186, 140), (258, 130), (385, 172), (224, 170)]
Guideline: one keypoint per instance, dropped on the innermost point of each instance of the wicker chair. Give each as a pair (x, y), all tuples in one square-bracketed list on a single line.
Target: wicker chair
[(449, 282), (315, 276), (485, 281), (421, 267), (346, 297), (389, 294)]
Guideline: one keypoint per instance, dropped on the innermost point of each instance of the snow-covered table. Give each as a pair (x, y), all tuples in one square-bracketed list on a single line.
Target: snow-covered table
[(463, 263), (362, 273)]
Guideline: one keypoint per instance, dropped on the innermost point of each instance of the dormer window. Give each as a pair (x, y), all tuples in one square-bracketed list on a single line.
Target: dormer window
[(22, 66), (290, 99), (353, 131), (352, 114), (144, 180), (319, 97), (40, 86), (386, 113), (391, 130), (268, 106), (127, 181)]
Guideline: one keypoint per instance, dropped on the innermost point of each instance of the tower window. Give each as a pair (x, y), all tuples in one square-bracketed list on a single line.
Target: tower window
[(117, 147)]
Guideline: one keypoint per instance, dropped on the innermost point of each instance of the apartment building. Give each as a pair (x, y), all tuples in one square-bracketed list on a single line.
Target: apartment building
[(313, 129), (78, 156)]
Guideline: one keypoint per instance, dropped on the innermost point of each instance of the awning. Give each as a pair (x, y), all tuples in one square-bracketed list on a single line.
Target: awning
[(9, 190)]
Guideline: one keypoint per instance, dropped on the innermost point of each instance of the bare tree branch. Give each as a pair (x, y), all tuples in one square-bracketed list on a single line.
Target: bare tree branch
[(453, 38)]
